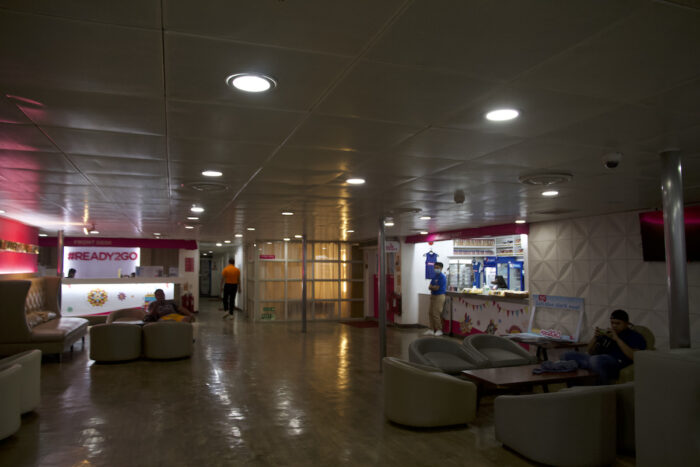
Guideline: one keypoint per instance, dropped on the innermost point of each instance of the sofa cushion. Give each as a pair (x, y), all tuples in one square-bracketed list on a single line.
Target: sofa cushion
[(448, 362), (57, 329), (34, 318), (502, 357)]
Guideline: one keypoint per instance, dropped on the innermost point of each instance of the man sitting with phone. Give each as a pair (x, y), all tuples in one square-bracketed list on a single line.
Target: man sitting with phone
[(611, 349)]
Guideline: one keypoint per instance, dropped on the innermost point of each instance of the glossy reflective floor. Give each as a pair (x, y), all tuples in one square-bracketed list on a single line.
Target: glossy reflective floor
[(252, 394)]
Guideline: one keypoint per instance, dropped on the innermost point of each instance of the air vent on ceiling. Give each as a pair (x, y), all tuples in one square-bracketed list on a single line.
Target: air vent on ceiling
[(208, 187), (545, 179)]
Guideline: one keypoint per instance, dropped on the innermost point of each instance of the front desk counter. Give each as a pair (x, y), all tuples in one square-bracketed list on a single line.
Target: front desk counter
[(467, 314), (94, 299)]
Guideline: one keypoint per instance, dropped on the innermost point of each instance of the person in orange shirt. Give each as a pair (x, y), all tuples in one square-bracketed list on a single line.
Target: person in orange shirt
[(230, 277)]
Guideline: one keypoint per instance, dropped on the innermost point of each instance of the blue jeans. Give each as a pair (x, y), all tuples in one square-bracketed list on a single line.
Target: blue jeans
[(605, 366)]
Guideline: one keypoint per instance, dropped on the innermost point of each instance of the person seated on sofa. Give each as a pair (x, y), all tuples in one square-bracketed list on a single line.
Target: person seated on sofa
[(610, 350), (166, 310)]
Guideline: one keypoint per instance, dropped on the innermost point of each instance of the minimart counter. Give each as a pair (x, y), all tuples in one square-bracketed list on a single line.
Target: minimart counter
[(94, 299), (467, 313)]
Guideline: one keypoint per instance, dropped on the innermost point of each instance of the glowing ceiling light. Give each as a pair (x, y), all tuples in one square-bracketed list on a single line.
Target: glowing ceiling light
[(349, 231), (425, 218), (219, 244), (43, 235), (94, 232), (520, 221), (298, 236), (550, 193), (238, 235), (355, 181), (286, 239), (227, 241), (189, 227), (424, 232), (197, 209), (287, 213), (502, 115), (212, 173), (251, 82), (251, 228), (389, 223)]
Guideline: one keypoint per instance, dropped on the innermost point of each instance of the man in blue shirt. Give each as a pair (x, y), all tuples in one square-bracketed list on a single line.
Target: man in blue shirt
[(610, 350), (438, 287)]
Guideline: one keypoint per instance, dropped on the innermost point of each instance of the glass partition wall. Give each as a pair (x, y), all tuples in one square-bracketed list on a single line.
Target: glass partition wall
[(334, 281)]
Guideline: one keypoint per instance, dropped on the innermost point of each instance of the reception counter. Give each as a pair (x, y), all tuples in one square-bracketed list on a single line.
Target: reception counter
[(467, 314), (93, 298)]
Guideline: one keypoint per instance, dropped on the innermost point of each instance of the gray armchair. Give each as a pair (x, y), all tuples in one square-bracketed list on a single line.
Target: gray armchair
[(126, 315), (565, 428), (491, 351), (423, 396), (442, 353)]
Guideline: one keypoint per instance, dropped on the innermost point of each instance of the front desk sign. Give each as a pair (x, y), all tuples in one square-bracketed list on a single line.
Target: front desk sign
[(101, 261)]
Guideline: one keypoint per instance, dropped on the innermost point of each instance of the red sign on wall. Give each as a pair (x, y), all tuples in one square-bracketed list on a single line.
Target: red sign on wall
[(189, 264), (267, 256)]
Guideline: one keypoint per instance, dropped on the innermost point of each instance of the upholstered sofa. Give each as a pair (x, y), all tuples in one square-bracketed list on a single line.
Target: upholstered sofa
[(423, 396), (442, 353), (494, 351), (21, 302)]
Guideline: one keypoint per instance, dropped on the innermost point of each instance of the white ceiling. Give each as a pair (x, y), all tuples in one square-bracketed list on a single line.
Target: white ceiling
[(109, 111)]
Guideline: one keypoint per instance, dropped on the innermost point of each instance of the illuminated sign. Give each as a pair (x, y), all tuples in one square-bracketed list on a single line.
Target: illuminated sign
[(101, 262)]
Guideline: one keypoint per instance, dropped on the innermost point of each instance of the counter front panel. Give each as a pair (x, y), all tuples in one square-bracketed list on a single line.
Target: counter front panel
[(100, 297), (475, 314)]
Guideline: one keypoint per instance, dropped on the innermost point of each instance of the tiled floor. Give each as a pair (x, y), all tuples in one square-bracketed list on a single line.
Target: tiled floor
[(252, 394)]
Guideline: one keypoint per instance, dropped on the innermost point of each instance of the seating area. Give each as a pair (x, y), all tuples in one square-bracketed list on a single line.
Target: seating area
[(20, 389), (30, 318)]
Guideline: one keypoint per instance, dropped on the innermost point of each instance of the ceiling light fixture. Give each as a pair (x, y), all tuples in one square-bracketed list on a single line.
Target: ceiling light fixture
[(298, 236), (212, 173), (189, 227), (425, 218), (238, 235), (424, 232), (94, 232), (349, 231), (389, 223), (196, 208), (251, 228), (219, 244), (43, 235), (550, 193), (251, 82), (227, 241), (355, 181), (502, 115), (286, 239), (156, 233), (520, 221), (287, 213), (192, 218)]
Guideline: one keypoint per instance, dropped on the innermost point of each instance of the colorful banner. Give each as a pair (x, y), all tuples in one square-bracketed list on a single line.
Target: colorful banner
[(101, 299)]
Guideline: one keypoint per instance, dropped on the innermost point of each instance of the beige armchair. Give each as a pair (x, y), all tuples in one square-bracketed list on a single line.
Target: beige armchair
[(29, 376), (566, 428), (126, 315), (627, 373), (423, 396), (442, 353), (10, 389)]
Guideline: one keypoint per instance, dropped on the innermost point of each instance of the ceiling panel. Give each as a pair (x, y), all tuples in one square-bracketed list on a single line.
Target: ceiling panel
[(403, 166), (82, 56), (120, 167), (652, 50), (401, 94), (138, 13), (197, 68), (24, 138), (491, 39), (320, 159), (32, 160), (9, 113), (103, 143), (334, 27), (229, 123), (217, 153), (91, 111), (458, 145)]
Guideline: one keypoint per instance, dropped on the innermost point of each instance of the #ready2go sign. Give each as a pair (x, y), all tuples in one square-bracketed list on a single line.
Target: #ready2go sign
[(104, 262)]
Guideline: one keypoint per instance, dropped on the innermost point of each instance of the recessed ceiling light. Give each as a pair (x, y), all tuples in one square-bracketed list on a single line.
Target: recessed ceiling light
[(238, 235), (425, 218), (520, 221), (156, 233), (286, 239), (197, 209), (298, 236), (355, 181), (502, 115), (219, 244), (251, 82), (211, 251), (269, 243), (389, 223), (94, 232), (192, 218), (251, 228), (424, 232), (287, 213), (350, 231), (189, 227), (43, 235), (227, 241), (550, 193), (212, 173)]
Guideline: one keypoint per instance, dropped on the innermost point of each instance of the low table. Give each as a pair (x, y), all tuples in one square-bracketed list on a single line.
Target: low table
[(517, 378)]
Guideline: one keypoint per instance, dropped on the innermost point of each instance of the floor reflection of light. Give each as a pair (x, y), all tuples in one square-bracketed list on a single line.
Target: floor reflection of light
[(342, 377), (295, 428), (93, 441)]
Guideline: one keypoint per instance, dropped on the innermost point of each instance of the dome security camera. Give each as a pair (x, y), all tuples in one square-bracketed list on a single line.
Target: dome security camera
[(459, 196), (612, 160)]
